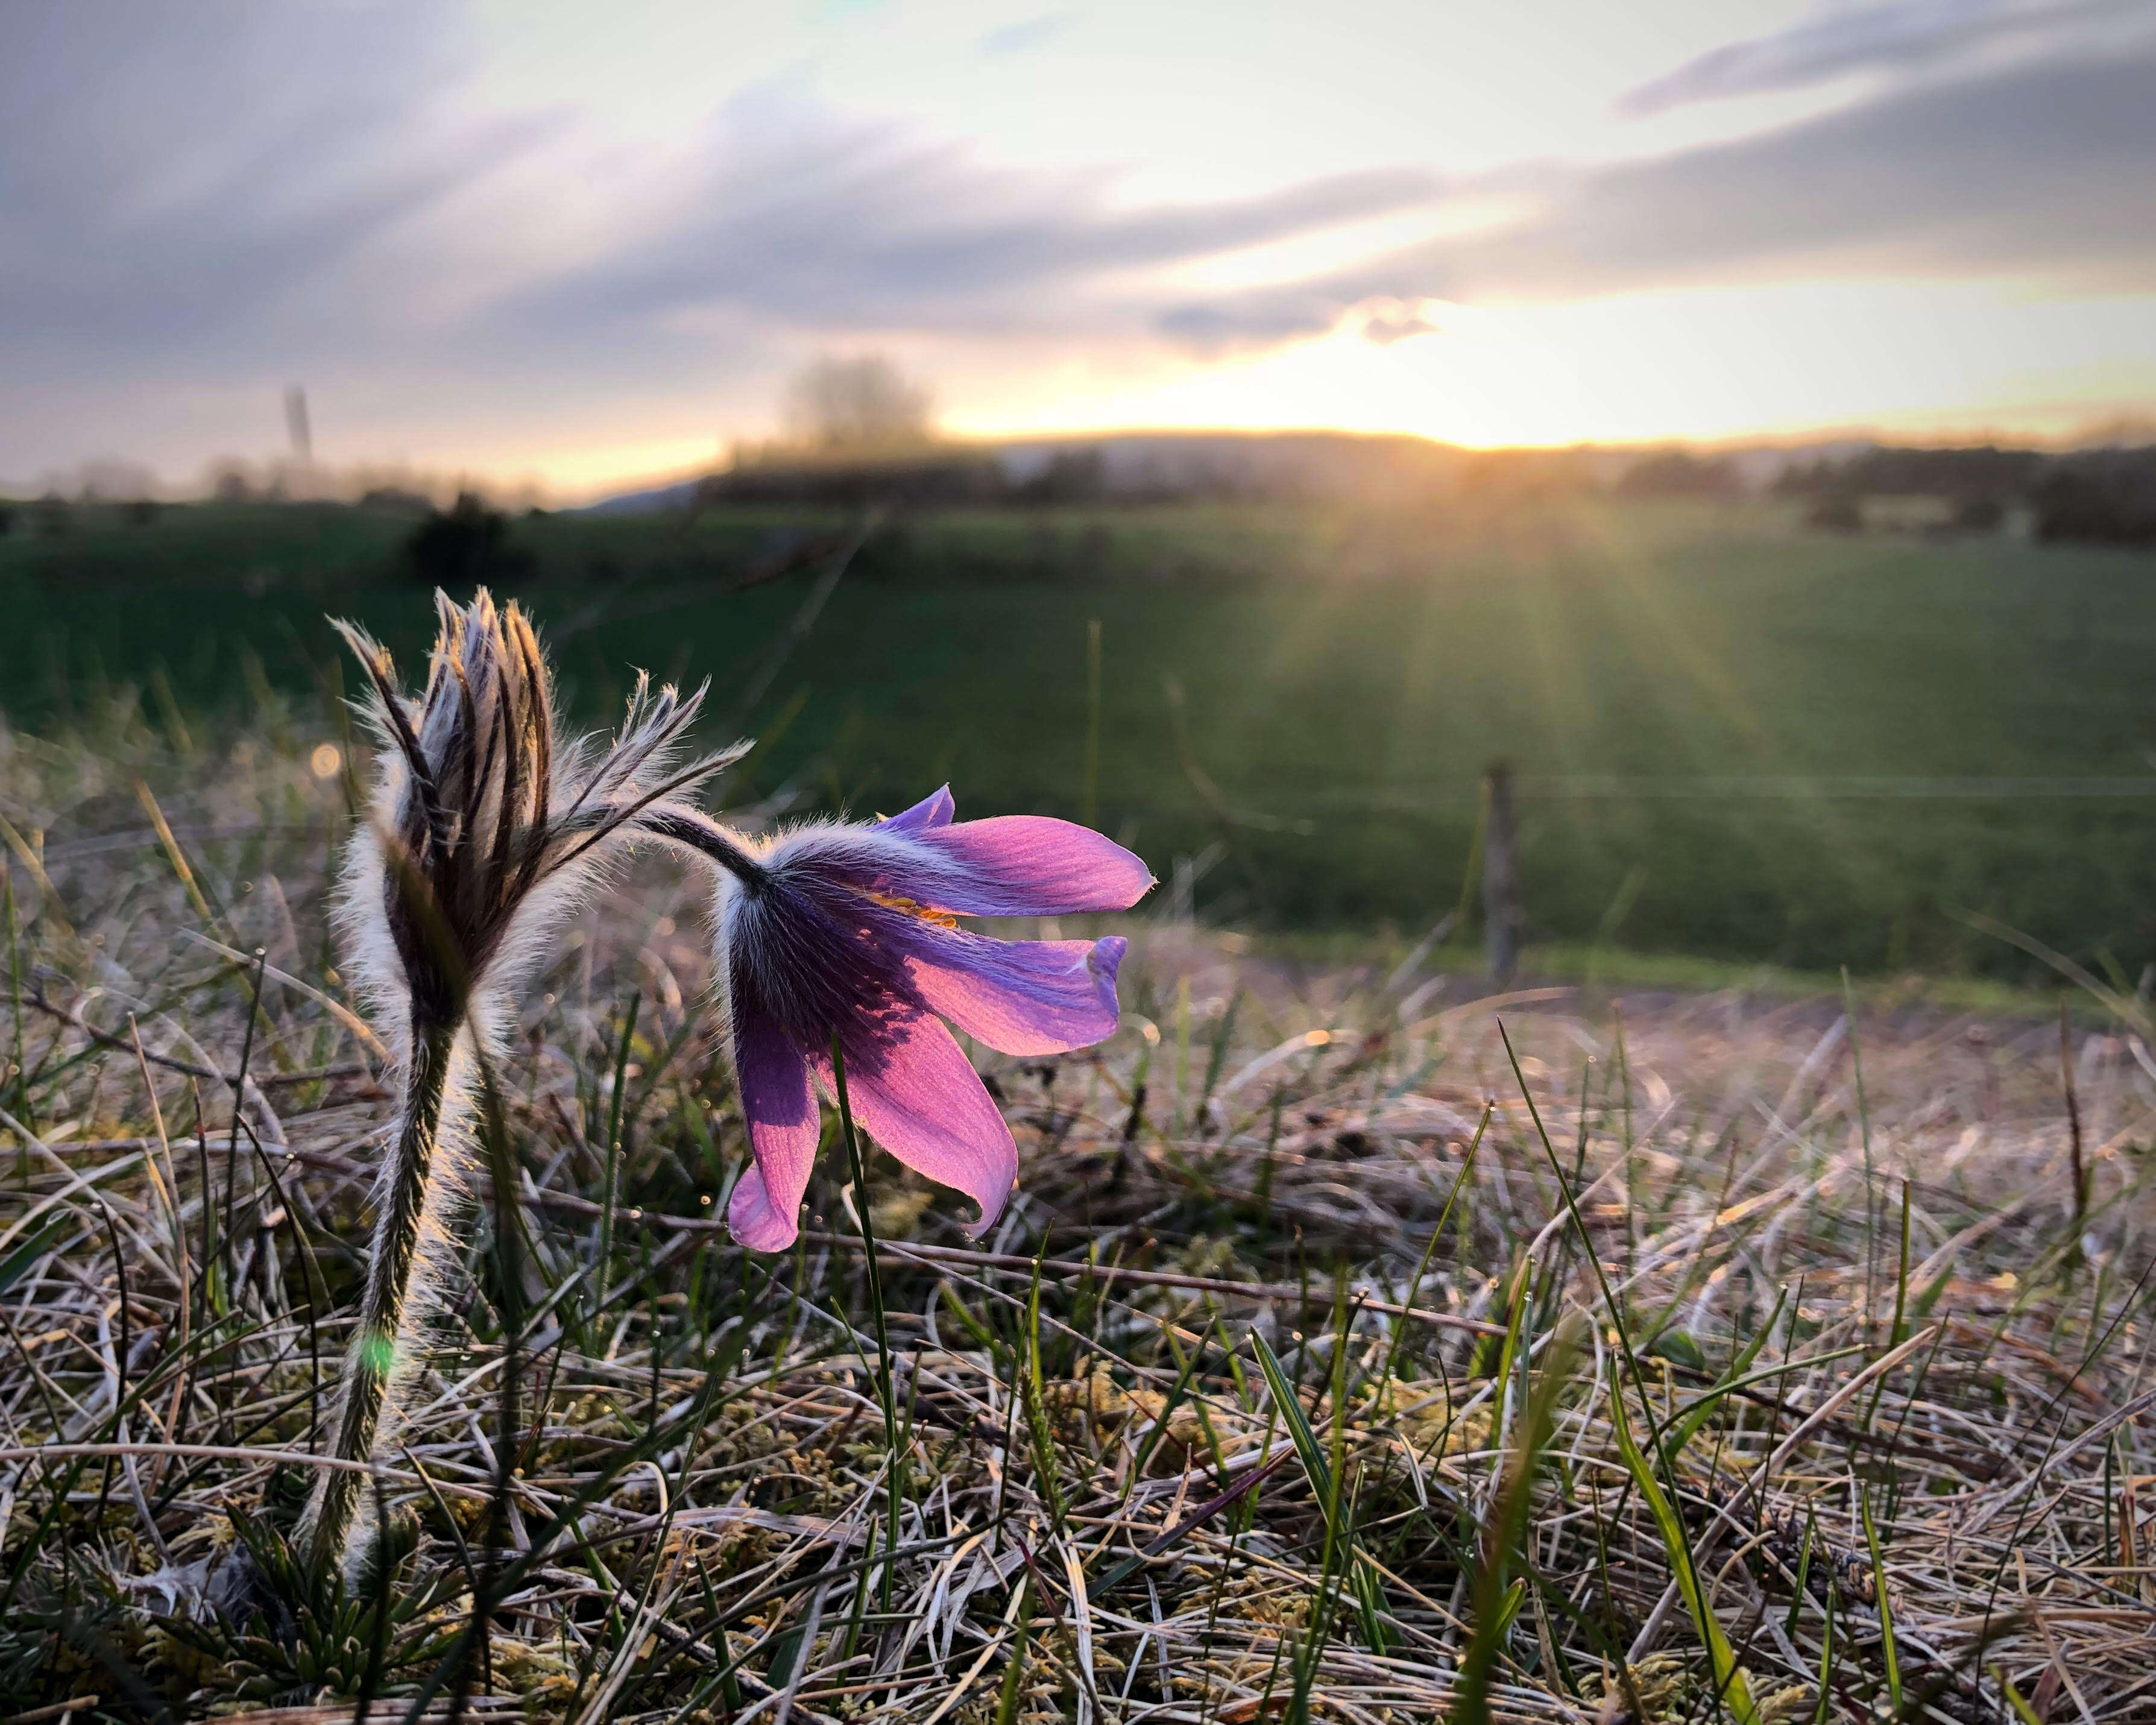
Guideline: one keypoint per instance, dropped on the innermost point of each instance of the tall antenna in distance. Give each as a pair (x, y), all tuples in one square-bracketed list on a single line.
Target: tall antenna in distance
[(297, 427)]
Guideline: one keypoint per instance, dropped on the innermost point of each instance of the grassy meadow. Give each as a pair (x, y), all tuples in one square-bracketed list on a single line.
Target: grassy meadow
[(1735, 739), (1356, 1349), (1359, 1347)]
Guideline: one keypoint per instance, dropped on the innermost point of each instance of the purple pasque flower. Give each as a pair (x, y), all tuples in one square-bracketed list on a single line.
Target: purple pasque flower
[(851, 930)]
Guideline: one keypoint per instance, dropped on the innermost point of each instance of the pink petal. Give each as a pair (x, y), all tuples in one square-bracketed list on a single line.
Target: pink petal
[(1029, 865), (1021, 996), (753, 1220), (923, 1101), (932, 811), (783, 1127)]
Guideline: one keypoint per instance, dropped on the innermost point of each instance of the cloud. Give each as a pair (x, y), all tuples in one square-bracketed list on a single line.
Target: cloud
[(791, 215), (1266, 316), (1386, 321), (1898, 36), (178, 182), (1027, 34), (2035, 172), (198, 204)]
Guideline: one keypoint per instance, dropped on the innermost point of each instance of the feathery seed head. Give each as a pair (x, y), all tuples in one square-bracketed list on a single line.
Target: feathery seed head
[(464, 794), (482, 829), (479, 807)]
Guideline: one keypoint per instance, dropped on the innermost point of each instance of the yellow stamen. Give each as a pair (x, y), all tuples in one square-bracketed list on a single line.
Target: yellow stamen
[(893, 901)]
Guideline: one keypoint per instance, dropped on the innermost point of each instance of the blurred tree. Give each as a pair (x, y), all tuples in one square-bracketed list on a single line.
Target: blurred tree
[(1070, 476), (465, 546), (855, 406), (1679, 473), (2099, 497), (110, 479)]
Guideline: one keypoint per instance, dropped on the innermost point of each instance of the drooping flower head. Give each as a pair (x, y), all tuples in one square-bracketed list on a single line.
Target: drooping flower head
[(480, 810), (851, 932)]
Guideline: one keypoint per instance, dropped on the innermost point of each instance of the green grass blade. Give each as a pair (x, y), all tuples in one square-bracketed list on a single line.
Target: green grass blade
[(1883, 1604), (1338, 1537), (1729, 1678)]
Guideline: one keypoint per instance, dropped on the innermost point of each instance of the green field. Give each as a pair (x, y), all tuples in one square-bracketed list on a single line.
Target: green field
[(1734, 738)]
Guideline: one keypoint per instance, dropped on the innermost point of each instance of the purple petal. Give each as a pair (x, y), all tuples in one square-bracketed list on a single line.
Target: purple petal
[(1019, 996), (1029, 865), (783, 1129), (931, 812), (922, 1101)]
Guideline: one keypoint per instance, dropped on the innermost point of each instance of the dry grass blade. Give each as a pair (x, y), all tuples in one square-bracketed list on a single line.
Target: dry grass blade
[(1255, 1302)]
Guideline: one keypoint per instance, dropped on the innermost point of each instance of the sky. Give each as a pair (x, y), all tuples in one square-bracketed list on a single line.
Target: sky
[(582, 244)]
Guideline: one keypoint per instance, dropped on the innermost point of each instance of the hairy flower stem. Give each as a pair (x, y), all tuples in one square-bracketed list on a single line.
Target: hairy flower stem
[(384, 1310), (695, 831)]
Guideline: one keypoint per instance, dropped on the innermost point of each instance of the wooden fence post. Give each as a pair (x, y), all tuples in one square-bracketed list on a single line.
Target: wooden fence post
[(1502, 917)]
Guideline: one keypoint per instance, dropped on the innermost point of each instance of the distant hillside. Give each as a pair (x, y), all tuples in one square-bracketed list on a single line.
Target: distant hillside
[(1132, 466), (644, 502), (2104, 494)]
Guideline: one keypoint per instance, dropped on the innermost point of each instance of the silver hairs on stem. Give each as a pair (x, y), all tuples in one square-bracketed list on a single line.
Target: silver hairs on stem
[(483, 831)]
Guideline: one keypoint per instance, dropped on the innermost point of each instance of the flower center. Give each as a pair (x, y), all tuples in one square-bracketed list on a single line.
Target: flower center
[(912, 907)]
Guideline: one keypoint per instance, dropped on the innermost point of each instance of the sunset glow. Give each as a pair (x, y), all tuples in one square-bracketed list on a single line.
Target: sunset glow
[(541, 243)]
